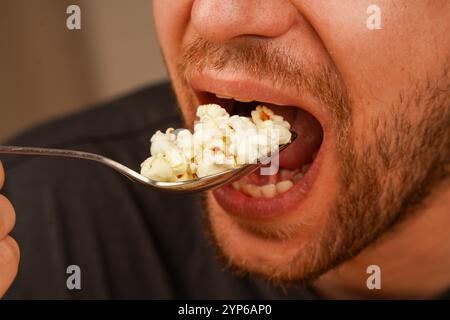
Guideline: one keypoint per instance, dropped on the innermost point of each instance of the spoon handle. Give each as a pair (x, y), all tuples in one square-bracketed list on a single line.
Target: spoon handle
[(32, 151)]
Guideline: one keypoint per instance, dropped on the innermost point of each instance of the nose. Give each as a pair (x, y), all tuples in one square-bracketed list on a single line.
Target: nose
[(223, 20)]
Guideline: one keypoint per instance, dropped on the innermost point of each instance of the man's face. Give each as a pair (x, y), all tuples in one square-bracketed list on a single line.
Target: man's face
[(371, 109)]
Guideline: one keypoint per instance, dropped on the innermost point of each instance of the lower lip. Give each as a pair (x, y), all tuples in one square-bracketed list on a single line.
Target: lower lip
[(237, 203)]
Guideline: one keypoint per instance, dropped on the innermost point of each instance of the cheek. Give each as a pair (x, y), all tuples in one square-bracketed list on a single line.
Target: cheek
[(172, 25), (171, 21), (376, 65)]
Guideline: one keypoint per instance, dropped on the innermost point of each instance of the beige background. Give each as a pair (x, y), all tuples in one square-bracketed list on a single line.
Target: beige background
[(47, 71)]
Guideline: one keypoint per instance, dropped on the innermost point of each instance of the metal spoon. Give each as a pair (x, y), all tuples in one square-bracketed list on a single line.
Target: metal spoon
[(199, 184)]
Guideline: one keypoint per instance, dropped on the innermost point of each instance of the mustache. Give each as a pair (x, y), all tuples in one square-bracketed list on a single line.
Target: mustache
[(262, 62)]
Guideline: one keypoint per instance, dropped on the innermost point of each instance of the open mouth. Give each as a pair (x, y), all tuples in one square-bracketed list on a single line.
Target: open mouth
[(265, 196)]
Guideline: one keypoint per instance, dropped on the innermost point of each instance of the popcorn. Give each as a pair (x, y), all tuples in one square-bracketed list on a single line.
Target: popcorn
[(185, 142), (267, 121), (175, 158), (241, 125), (161, 142), (219, 142), (157, 168), (206, 168), (212, 112), (262, 114)]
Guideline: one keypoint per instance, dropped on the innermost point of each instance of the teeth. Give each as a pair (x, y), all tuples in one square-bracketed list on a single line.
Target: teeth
[(222, 96), (243, 100), (285, 174), (252, 190), (298, 176), (284, 186), (268, 190)]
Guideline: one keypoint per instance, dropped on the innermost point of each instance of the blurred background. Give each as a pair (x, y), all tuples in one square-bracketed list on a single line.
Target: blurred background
[(48, 71)]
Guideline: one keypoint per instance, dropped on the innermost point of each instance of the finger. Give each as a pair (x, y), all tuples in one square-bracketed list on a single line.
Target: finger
[(2, 175), (9, 262), (7, 216)]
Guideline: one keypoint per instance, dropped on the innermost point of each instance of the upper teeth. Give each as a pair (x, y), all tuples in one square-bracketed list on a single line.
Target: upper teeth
[(222, 96)]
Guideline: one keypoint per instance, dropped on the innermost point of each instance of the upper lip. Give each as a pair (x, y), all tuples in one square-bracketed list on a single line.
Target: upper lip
[(240, 86)]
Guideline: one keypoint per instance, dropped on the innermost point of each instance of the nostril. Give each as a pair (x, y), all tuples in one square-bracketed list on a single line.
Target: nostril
[(220, 21)]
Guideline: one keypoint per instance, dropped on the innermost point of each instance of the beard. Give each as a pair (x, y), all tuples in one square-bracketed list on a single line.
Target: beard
[(384, 172)]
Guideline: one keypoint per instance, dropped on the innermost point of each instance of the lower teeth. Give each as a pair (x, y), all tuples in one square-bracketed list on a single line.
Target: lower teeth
[(272, 188), (297, 177), (267, 191), (284, 186), (252, 190)]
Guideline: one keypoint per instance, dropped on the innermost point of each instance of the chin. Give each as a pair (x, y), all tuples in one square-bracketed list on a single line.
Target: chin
[(283, 242)]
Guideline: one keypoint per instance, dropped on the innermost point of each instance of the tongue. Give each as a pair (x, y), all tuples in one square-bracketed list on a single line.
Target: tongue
[(309, 136)]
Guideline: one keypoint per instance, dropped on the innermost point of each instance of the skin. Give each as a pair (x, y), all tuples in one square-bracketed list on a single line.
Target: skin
[(386, 188), (9, 250)]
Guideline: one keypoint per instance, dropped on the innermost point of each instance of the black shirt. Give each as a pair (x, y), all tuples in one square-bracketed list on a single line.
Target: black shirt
[(129, 242)]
